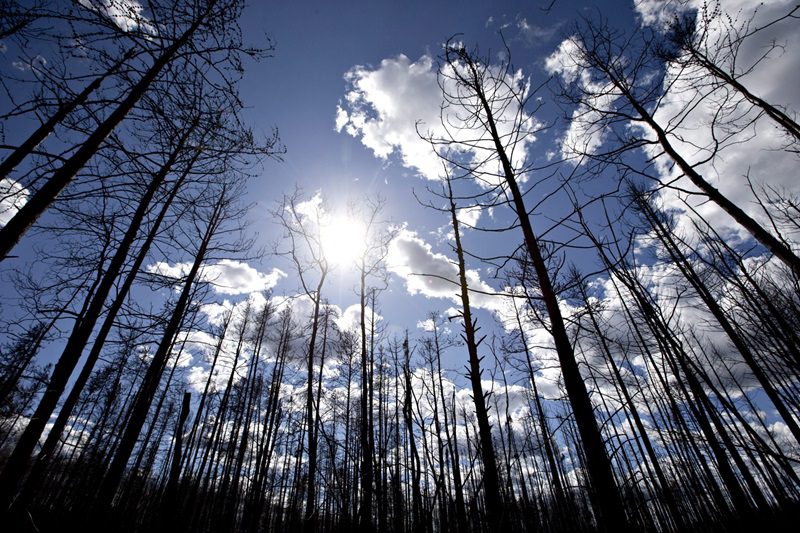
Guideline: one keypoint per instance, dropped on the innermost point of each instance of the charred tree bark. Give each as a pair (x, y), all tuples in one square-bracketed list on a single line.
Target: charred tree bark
[(605, 494), (491, 483), (77, 342), (141, 405)]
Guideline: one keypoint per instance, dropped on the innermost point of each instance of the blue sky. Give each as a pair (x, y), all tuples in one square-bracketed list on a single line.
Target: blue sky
[(348, 87), (329, 55), (298, 90)]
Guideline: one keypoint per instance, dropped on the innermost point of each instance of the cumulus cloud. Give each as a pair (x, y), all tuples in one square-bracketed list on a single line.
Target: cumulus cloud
[(12, 197), (656, 12), (223, 353), (125, 14), (468, 216), (688, 316), (234, 277), (586, 131), (409, 256), (727, 139), (433, 274), (226, 276), (426, 325), (564, 60), (758, 149), (386, 106), (311, 209), (198, 342), (468, 219), (178, 358), (350, 318)]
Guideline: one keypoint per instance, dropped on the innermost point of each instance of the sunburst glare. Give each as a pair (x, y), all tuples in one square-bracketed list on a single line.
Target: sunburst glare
[(344, 240)]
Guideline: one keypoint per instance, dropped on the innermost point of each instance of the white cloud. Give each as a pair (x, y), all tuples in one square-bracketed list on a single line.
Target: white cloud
[(162, 268), (586, 131), (198, 342), (409, 256), (177, 357), (468, 216), (563, 61), (702, 117), (226, 276), (341, 118), (433, 274), (12, 197), (234, 277), (350, 318), (232, 348), (426, 325), (125, 14), (656, 11), (311, 209), (757, 149), (387, 105), (197, 378)]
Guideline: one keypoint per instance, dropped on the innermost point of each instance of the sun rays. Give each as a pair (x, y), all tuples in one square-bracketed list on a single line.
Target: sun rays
[(343, 239)]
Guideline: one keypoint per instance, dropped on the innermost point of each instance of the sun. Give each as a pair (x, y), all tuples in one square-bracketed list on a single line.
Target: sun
[(344, 240)]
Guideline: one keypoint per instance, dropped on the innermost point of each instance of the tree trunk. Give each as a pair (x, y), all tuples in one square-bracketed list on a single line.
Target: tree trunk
[(138, 412), (491, 483), (605, 494)]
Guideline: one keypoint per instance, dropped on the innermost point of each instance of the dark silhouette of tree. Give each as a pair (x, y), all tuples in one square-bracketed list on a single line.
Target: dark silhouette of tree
[(643, 365), (218, 208), (193, 27), (621, 65), (480, 92), (491, 482), (303, 231), (694, 42)]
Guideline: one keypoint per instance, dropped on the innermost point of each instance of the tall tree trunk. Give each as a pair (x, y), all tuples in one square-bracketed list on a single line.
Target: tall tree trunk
[(80, 335), (656, 222), (171, 491), (491, 483), (416, 494), (604, 492), (366, 523), (666, 490), (310, 517), (141, 405), (775, 246), (47, 127)]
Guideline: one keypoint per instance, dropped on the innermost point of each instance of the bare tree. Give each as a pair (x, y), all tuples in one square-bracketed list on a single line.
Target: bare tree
[(481, 92), (711, 41), (195, 29), (623, 92), (305, 250)]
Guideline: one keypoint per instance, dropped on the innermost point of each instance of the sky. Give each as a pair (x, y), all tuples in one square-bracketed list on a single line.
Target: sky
[(348, 82), (322, 48), (337, 63)]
